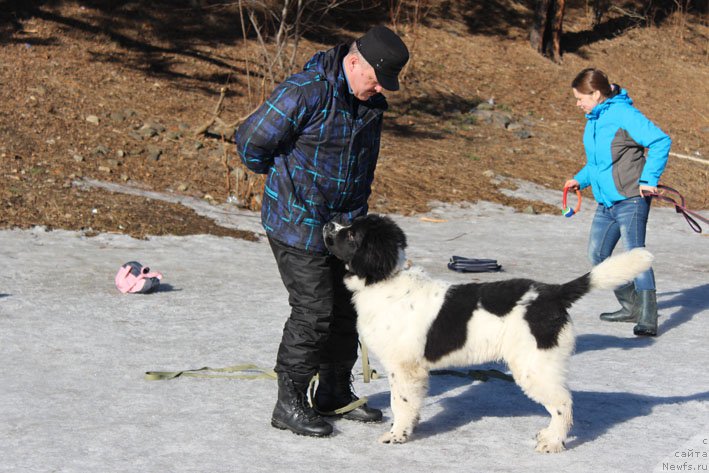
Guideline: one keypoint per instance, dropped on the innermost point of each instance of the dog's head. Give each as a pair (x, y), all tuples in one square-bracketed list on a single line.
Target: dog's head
[(372, 247)]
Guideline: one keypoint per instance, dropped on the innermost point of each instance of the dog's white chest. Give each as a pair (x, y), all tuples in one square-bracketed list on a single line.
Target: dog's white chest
[(396, 314)]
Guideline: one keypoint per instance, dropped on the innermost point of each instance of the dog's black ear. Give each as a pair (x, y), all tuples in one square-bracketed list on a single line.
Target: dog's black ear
[(377, 255)]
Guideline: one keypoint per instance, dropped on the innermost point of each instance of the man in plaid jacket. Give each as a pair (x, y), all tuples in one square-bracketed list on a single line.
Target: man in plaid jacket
[(317, 138)]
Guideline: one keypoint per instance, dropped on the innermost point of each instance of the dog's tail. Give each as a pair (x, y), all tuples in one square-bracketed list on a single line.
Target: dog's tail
[(611, 273), (620, 269)]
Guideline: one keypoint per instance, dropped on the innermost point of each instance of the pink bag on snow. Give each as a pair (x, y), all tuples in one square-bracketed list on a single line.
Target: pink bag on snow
[(136, 278)]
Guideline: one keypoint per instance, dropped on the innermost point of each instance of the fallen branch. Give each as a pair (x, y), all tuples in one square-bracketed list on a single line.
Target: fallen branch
[(201, 130), (225, 128), (629, 13)]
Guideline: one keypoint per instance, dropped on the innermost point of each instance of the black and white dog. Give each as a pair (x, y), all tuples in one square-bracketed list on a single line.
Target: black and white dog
[(414, 324)]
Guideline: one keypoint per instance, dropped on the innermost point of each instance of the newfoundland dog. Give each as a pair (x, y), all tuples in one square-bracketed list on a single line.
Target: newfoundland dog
[(414, 324)]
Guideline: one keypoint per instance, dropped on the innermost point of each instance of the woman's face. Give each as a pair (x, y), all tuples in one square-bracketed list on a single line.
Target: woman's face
[(587, 102)]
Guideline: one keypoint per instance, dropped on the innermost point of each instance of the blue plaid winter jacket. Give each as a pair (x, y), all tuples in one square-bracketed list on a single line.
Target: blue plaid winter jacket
[(319, 146)]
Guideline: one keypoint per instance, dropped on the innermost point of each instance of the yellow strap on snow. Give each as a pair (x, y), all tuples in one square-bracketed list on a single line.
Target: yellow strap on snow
[(367, 372), (246, 372)]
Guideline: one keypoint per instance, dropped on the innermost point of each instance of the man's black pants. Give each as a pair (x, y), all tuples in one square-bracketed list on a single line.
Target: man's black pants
[(322, 325)]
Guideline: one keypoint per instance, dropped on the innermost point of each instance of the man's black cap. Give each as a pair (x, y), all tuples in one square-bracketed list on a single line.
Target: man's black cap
[(386, 53)]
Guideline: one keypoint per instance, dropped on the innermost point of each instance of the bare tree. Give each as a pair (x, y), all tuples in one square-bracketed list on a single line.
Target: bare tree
[(288, 20)]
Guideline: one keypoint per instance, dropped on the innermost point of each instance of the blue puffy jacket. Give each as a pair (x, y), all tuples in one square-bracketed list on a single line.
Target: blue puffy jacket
[(319, 146), (615, 139)]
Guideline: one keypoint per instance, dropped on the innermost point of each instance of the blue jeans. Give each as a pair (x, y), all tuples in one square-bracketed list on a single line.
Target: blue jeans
[(627, 218)]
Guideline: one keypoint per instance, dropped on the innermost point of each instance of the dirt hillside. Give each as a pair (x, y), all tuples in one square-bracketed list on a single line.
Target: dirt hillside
[(92, 93)]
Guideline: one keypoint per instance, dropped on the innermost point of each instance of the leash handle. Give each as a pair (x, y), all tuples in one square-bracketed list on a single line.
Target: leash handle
[(567, 211), (673, 191), (680, 207)]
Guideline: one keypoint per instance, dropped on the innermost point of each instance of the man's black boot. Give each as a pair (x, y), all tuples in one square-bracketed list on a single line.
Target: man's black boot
[(335, 392), (627, 296), (292, 411)]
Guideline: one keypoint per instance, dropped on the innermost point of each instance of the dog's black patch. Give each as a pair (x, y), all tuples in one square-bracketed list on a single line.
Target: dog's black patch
[(500, 297), (449, 331), (547, 315)]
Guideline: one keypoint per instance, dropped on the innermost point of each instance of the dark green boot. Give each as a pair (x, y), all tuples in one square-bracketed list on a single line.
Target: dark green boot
[(627, 296), (292, 411), (335, 392), (647, 323)]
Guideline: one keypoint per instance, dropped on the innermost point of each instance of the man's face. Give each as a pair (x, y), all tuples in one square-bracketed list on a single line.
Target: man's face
[(363, 80)]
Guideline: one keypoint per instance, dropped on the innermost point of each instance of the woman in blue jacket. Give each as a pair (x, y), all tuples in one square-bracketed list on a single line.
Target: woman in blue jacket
[(619, 170)]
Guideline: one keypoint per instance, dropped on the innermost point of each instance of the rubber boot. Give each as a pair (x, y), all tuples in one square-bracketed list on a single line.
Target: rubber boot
[(335, 391), (292, 411), (627, 296), (647, 323)]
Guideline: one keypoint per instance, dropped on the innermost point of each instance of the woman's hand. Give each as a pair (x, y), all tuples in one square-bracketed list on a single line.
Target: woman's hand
[(648, 189), (572, 184)]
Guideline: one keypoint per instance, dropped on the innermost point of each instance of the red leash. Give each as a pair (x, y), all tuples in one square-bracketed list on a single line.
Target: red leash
[(680, 207)]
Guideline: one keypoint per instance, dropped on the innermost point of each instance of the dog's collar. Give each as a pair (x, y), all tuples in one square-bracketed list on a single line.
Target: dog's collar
[(405, 266)]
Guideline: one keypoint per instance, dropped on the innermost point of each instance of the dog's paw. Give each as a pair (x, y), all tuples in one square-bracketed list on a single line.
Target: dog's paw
[(548, 443), (391, 437), (550, 447)]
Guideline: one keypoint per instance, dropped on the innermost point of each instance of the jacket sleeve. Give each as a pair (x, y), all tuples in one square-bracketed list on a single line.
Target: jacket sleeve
[(647, 134), (582, 178), (271, 129)]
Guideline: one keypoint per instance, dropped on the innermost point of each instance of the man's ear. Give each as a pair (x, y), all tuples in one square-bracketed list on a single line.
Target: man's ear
[(350, 61)]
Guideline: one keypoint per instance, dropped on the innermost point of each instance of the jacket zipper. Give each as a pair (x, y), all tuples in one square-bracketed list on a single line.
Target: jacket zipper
[(349, 151)]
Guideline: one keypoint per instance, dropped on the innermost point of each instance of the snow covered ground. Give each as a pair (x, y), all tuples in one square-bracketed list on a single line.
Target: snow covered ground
[(73, 352)]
